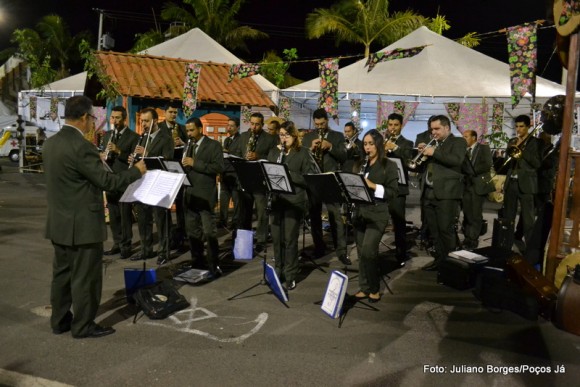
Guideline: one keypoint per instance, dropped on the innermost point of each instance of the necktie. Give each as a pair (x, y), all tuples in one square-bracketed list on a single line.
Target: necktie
[(469, 153), (193, 149), (227, 142)]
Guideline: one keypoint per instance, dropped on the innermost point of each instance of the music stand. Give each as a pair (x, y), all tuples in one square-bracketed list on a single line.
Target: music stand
[(270, 178)]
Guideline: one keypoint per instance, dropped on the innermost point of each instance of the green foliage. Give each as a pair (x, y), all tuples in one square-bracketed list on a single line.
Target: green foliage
[(497, 139), (469, 40), (275, 68), (147, 39), (94, 68)]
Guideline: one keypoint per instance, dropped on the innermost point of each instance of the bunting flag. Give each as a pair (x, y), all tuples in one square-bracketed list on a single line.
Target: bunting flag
[(497, 117), (523, 59), (246, 113), (469, 116), (355, 105), (54, 107), (192, 71), (384, 109), (570, 8), (244, 70), (328, 98), (397, 53), (33, 109), (284, 105)]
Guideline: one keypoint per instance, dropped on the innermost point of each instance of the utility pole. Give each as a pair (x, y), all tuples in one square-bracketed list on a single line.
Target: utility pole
[(100, 38)]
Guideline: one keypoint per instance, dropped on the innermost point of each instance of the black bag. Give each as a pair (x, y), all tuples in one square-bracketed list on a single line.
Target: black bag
[(496, 292), (458, 274), (503, 234), (160, 300)]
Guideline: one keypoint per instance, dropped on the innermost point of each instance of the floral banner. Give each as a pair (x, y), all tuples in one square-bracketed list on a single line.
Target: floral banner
[(33, 108), (384, 109), (497, 117), (328, 99), (190, 85), (96, 135), (244, 70), (246, 113), (469, 116), (523, 58), (284, 105), (569, 9), (397, 53), (355, 107), (54, 106)]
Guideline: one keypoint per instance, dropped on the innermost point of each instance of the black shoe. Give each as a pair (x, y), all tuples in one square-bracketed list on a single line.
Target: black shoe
[(114, 250), (162, 260), (98, 331), (60, 331), (140, 257), (345, 260), (215, 273), (374, 300), (319, 253), (126, 254), (291, 285), (260, 247), (431, 267)]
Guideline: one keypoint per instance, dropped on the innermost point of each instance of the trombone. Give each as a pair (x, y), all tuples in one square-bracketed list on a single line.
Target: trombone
[(420, 158)]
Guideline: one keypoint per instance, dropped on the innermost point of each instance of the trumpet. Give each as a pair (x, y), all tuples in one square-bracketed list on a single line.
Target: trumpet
[(420, 158), (318, 153), (351, 142)]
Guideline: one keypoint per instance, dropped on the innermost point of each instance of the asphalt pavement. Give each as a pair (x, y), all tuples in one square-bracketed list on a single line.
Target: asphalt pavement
[(421, 334)]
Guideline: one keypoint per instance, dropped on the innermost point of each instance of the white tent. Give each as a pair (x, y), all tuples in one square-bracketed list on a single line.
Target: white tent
[(445, 71)]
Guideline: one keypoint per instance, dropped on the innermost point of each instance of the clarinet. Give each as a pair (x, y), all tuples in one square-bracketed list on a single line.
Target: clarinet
[(282, 152), (186, 149), (134, 154), (364, 167)]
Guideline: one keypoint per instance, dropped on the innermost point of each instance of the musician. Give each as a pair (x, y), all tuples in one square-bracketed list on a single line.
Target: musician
[(476, 168), (399, 147), (421, 142), (179, 135), (354, 148), (442, 188), (121, 141), (229, 179), (159, 143), (521, 182), (75, 179), (287, 209), (202, 162), (255, 144), (327, 147), (370, 220)]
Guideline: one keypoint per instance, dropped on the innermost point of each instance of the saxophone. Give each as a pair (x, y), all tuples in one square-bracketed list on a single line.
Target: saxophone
[(251, 147)]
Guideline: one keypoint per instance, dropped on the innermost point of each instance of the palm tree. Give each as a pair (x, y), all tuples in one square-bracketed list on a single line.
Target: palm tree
[(147, 39), (215, 17), (364, 22), (49, 44), (368, 22)]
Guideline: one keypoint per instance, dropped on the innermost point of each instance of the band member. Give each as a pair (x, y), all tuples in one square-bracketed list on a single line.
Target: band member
[(327, 147), (399, 147), (354, 148), (287, 209), (476, 168), (121, 141), (521, 182), (421, 142), (75, 179), (159, 143), (371, 220), (255, 144), (229, 179), (177, 132), (203, 161), (442, 188)]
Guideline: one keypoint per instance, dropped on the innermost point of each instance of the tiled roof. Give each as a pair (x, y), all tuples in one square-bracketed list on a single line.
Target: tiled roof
[(162, 78)]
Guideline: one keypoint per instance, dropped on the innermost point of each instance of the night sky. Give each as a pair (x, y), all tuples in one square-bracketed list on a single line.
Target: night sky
[(284, 22)]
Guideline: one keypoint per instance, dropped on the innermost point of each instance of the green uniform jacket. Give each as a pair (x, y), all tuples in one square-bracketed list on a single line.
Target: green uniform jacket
[(75, 180)]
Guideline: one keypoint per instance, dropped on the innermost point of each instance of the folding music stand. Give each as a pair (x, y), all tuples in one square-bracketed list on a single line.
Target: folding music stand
[(270, 178)]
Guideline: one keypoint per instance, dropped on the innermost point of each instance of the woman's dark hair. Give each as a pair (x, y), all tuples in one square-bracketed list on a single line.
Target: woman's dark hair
[(290, 128), (378, 140)]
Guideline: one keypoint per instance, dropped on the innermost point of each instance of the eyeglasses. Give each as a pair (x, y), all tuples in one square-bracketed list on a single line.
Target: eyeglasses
[(284, 135), (93, 117)]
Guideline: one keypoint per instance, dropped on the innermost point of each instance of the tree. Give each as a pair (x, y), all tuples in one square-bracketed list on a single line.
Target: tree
[(147, 39), (275, 69), (368, 22), (215, 17), (49, 49)]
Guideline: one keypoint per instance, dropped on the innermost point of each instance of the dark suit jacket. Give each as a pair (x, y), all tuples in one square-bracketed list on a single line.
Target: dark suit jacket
[(160, 145), (447, 161), (231, 146), (264, 144), (354, 155), (75, 180), (208, 164), (526, 167), (126, 143), (385, 174), (331, 160), (480, 168), (423, 137), (299, 163), (181, 130), (403, 152)]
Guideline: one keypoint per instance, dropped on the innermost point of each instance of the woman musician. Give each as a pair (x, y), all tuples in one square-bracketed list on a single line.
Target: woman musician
[(370, 220), (287, 209)]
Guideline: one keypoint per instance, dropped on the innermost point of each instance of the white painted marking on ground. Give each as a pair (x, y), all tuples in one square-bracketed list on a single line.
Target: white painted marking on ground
[(372, 356), (11, 378)]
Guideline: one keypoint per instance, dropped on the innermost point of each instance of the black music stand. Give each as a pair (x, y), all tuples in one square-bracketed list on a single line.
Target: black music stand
[(270, 178)]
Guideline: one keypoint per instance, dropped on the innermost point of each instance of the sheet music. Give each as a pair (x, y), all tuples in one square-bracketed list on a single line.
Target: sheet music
[(277, 176), (156, 188), (400, 170), (355, 186), (175, 167)]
